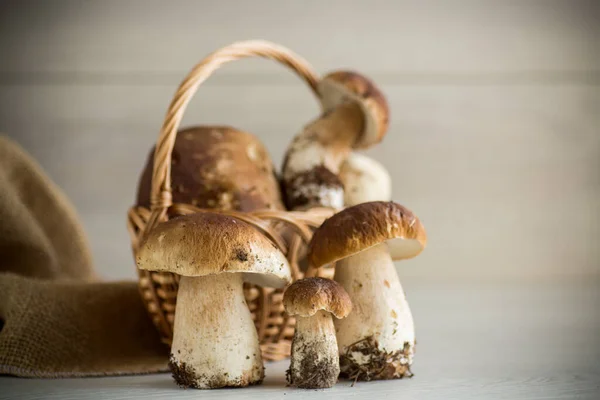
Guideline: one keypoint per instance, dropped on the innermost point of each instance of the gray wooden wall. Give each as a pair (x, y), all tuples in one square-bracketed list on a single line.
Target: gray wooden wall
[(495, 134)]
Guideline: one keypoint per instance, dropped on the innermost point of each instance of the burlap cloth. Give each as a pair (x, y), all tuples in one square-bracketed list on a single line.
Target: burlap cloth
[(57, 319)]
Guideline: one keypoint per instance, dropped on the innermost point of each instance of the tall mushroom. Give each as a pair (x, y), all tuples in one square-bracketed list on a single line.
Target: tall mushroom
[(377, 340), (215, 343), (364, 180), (355, 116), (314, 361)]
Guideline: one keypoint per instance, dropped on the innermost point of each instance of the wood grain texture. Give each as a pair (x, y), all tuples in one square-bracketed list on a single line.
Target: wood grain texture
[(528, 340), (383, 36)]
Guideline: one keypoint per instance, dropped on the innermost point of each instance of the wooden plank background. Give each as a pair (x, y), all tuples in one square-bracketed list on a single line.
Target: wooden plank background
[(495, 134)]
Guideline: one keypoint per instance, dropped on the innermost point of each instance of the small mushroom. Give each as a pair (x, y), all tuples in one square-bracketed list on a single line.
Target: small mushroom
[(314, 361), (377, 340), (215, 343), (364, 180), (355, 116)]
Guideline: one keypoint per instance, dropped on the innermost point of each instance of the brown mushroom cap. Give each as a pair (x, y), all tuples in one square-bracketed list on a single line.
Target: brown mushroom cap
[(339, 86), (218, 167), (307, 296), (363, 226), (209, 243)]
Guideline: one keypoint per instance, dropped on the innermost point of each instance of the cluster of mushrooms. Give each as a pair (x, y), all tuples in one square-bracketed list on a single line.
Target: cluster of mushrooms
[(358, 324)]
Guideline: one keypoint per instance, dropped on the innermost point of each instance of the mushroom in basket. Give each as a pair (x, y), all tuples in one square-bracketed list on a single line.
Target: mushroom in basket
[(215, 343), (376, 341), (218, 167), (355, 116), (364, 179), (314, 361)]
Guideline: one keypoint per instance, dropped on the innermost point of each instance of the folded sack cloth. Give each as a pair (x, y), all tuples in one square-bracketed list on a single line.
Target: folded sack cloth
[(57, 319)]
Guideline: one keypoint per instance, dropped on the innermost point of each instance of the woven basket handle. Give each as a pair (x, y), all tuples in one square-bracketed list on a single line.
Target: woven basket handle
[(161, 197)]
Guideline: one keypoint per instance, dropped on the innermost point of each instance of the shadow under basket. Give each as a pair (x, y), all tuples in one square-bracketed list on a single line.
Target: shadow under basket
[(159, 289)]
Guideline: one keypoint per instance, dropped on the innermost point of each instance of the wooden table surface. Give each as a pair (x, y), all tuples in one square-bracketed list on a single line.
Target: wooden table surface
[(525, 340)]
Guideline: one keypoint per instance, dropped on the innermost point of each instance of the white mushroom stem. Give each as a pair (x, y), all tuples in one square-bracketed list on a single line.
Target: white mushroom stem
[(314, 157), (380, 309), (314, 360), (364, 180), (215, 343)]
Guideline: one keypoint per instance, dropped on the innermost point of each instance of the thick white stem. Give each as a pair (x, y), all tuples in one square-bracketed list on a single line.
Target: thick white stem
[(379, 308), (315, 360), (364, 180), (215, 343)]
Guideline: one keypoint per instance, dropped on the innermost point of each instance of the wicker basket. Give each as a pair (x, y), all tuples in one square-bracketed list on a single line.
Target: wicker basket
[(159, 289)]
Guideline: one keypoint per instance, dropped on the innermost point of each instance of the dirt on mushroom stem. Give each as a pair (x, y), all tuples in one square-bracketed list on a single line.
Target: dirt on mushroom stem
[(317, 187), (318, 372), (187, 377), (381, 322), (215, 343), (379, 364), (314, 360)]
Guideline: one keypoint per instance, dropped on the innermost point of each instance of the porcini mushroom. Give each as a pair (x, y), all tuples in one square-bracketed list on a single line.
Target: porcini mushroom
[(218, 167), (364, 180), (215, 343), (355, 116), (377, 340), (315, 361)]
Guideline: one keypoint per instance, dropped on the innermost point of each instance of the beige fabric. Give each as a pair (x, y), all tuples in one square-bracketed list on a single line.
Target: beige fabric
[(56, 318), (39, 232)]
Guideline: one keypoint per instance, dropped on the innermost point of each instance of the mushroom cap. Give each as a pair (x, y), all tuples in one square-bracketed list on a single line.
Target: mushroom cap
[(307, 296), (364, 180), (363, 226), (208, 243), (217, 167), (339, 86)]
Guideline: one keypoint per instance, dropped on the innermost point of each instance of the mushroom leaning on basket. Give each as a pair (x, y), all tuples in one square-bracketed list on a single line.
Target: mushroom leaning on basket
[(314, 360), (215, 343), (355, 116), (377, 339)]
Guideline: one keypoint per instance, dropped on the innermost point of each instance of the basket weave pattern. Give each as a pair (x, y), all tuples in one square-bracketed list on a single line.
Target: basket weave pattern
[(159, 289)]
